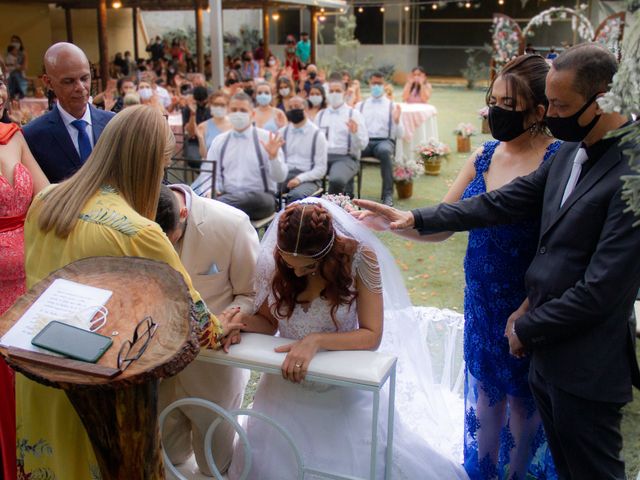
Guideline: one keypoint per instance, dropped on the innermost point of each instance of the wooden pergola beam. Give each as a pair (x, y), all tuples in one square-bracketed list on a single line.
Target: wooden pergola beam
[(68, 24), (103, 43), (199, 40)]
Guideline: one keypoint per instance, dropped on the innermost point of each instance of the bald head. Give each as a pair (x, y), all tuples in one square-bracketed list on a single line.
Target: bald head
[(68, 74)]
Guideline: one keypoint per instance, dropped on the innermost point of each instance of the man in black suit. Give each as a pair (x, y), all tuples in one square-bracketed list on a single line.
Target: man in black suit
[(62, 139), (583, 281)]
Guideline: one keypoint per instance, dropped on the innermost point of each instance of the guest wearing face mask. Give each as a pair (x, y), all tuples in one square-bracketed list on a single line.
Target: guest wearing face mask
[(194, 113), (382, 118), (308, 78), (285, 93), (148, 97), (266, 116), (305, 152), (271, 69), (249, 162), (232, 83), (250, 69), (291, 59), (346, 134), (207, 131), (316, 100)]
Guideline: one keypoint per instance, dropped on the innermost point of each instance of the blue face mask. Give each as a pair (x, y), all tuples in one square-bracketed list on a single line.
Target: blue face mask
[(377, 90), (263, 98)]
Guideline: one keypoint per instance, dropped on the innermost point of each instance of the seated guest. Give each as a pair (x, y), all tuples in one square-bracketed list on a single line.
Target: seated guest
[(130, 99), (218, 247), (249, 162), (194, 113), (305, 152), (149, 97), (310, 77), (346, 135), (417, 89), (100, 211), (162, 93), (317, 100), (62, 139), (382, 118), (353, 95), (125, 85), (266, 116), (285, 92)]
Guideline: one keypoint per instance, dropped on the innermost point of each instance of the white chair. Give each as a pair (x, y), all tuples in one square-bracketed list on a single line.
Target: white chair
[(364, 370)]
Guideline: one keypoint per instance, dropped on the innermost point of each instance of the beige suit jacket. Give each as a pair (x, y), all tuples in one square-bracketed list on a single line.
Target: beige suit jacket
[(219, 249)]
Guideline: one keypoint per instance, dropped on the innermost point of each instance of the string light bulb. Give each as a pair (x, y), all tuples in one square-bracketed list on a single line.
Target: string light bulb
[(500, 2), (406, 8), (276, 17), (434, 6), (116, 4), (322, 9), (382, 9), (360, 10), (467, 5)]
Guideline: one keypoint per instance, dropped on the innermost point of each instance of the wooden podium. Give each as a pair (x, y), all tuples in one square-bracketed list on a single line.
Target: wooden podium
[(120, 414)]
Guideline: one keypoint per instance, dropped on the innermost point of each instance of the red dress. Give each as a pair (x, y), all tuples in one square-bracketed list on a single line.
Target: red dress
[(14, 203)]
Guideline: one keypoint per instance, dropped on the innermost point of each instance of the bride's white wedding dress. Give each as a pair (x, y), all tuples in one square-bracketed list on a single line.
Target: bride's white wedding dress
[(331, 425)]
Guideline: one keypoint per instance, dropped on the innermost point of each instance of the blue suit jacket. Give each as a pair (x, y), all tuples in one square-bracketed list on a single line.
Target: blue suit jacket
[(52, 146)]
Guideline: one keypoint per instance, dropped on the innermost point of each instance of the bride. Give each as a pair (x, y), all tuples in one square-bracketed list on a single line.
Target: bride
[(327, 283)]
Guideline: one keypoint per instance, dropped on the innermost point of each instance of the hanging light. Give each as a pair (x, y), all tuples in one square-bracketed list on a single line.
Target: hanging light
[(275, 16), (500, 2), (116, 4), (434, 6), (467, 5), (382, 9), (322, 9), (406, 8), (342, 10), (322, 18), (360, 10)]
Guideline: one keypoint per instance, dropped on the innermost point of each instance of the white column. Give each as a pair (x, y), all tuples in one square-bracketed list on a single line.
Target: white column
[(217, 54)]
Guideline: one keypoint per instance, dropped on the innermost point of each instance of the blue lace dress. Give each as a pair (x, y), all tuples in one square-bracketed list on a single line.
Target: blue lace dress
[(504, 438)]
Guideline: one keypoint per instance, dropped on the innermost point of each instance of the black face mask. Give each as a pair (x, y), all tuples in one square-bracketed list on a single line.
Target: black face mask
[(231, 81), (295, 115), (568, 128), (505, 125), (249, 91), (312, 75)]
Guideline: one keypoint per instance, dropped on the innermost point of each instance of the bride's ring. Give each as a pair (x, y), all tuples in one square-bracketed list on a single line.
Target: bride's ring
[(298, 365)]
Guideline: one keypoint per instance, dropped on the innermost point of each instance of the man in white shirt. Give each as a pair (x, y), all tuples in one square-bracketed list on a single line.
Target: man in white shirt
[(219, 249), (382, 118), (249, 162), (163, 94), (346, 136), (305, 152)]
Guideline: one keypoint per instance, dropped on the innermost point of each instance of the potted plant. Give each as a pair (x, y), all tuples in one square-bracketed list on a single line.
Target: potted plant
[(403, 175), (483, 113), (463, 133), (431, 154)]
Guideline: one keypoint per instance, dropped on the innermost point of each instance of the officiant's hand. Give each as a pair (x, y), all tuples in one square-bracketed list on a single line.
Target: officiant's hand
[(273, 145), (300, 354), (398, 219)]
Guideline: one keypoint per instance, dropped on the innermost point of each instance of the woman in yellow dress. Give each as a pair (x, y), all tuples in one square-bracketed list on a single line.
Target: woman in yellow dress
[(106, 209)]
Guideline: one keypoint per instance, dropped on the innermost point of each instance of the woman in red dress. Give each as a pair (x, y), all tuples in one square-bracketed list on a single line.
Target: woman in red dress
[(20, 179)]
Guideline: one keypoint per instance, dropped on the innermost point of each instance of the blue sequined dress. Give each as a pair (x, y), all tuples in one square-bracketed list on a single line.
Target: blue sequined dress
[(504, 438)]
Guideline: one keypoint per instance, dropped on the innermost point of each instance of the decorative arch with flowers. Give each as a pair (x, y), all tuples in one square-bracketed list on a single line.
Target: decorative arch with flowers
[(579, 23)]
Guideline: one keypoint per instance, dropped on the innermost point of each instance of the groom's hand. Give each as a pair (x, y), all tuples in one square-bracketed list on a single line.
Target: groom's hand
[(516, 348), (398, 219)]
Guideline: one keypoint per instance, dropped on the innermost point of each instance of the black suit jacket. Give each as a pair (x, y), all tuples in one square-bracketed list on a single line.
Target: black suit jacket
[(584, 278), (52, 147)]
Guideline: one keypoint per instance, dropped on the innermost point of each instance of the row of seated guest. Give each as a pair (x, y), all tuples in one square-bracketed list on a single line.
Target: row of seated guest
[(251, 160)]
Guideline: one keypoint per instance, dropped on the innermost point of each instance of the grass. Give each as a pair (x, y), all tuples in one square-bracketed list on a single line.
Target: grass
[(433, 272)]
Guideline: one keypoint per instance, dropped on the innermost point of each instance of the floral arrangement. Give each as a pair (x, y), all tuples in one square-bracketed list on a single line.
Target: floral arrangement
[(342, 201), (429, 152), (506, 39), (610, 33), (624, 97), (465, 130), (483, 112), (579, 22), (407, 171)]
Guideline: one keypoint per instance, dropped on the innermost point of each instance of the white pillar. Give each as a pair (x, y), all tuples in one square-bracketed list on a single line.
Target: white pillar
[(217, 53)]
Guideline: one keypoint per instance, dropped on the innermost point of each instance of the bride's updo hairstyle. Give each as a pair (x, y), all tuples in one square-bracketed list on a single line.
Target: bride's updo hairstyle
[(316, 239)]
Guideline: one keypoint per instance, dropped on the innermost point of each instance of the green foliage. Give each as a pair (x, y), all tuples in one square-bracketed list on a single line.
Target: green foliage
[(476, 69), (179, 34), (347, 49), (248, 40)]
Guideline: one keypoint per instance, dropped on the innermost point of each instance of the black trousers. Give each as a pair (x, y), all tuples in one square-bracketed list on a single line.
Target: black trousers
[(257, 205), (584, 435)]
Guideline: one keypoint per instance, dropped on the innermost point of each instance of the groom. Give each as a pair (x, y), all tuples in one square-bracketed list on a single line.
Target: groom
[(582, 283)]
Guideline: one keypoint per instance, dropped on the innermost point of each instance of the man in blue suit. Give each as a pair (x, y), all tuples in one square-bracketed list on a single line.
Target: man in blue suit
[(62, 139)]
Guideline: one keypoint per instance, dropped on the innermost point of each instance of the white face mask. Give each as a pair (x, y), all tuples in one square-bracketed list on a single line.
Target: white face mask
[(272, 62), (284, 91), (240, 120), (218, 112), (315, 100), (335, 99), (145, 93)]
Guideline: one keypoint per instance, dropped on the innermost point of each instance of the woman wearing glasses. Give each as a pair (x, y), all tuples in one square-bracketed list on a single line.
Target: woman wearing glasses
[(106, 209)]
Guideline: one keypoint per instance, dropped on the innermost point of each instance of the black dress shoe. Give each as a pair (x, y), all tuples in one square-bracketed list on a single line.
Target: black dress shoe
[(387, 200)]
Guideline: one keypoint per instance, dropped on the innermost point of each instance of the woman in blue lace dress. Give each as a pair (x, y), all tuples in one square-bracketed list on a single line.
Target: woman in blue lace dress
[(504, 437)]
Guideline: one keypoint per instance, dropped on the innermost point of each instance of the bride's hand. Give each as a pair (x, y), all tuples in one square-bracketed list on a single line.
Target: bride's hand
[(299, 355)]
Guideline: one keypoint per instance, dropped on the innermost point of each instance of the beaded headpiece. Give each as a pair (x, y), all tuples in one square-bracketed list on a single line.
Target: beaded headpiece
[(316, 255)]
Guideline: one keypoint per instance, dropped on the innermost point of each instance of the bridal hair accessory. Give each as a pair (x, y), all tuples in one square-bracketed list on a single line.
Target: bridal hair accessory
[(315, 256)]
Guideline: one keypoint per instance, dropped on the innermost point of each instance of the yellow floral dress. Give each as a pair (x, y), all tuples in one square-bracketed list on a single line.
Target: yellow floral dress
[(51, 440)]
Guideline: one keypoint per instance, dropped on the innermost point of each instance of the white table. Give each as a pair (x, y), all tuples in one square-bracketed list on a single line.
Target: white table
[(420, 123), (364, 370)]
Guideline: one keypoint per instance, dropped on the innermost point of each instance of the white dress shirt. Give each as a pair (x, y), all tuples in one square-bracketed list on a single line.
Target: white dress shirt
[(164, 96), (376, 117), (241, 164), (67, 118), (298, 148), (333, 121)]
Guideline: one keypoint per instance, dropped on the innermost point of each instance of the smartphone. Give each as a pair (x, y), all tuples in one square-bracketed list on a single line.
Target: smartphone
[(72, 342)]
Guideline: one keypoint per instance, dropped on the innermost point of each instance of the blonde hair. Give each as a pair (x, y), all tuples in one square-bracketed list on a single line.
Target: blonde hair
[(130, 99), (130, 156)]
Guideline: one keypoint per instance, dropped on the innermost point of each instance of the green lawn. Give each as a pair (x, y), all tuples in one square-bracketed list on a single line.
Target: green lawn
[(433, 272)]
